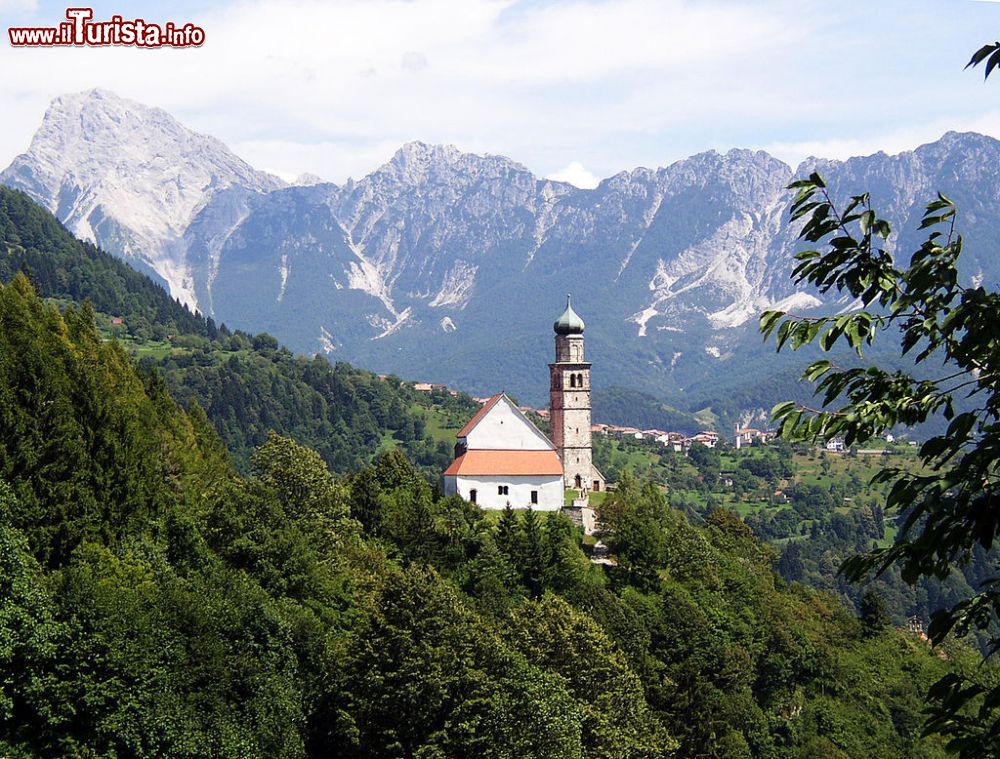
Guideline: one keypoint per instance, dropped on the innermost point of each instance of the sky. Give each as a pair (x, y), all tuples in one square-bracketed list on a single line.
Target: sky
[(573, 89)]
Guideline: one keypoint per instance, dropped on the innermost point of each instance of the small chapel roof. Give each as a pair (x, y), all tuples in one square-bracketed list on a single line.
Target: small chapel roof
[(569, 323), (508, 463)]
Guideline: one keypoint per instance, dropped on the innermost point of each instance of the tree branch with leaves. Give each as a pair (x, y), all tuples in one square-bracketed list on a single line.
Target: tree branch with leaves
[(953, 502)]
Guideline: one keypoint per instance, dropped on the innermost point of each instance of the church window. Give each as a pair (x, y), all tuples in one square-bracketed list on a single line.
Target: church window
[(472, 495), (534, 496), (503, 489), (572, 380)]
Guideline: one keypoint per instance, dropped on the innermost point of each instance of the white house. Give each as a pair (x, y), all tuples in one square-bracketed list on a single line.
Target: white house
[(746, 436), (501, 458), (707, 438)]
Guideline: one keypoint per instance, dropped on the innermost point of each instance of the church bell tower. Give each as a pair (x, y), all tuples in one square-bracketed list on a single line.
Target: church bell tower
[(569, 403)]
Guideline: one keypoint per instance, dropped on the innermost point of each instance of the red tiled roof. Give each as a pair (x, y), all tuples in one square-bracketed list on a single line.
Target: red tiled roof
[(513, 463), (479, 415)]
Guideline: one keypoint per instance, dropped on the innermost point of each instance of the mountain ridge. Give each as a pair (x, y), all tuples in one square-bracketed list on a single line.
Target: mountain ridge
[(448, 265)]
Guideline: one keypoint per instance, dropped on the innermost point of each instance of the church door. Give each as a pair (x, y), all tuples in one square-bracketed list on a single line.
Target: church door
[(579, 482)]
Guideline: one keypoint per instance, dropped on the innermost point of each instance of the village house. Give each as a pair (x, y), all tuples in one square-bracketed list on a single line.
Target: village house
[(747, 436), (707, 438), (623, 432)]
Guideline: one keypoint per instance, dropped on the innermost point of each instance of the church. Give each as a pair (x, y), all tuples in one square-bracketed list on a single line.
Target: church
[(501, 458)]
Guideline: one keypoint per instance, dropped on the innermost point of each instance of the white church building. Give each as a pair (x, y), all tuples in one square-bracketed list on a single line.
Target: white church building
[(501, 457)]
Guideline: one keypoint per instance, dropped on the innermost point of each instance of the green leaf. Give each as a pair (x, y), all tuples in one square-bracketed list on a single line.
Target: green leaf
[(865, 221), (782, 409), (827, 341), (981, 53), (992, 63), (769, 320)]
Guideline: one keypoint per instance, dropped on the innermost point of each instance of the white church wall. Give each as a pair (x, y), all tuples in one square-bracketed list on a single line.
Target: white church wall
[(549, 489), (504, 429)]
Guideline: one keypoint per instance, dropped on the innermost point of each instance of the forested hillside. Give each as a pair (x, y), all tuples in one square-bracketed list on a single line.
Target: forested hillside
[(816, 508), (59, 266), (247, 385), (156, 603)]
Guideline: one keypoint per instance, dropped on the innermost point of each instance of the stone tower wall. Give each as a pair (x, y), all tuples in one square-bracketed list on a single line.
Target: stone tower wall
[(569, 402)]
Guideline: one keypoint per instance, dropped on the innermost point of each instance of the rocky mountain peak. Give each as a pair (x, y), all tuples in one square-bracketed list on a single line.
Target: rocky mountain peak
[(418, 162), (128, 177)]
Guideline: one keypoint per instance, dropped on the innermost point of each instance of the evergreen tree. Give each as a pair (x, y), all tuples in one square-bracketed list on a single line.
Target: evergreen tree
[(873, 615), (507, 532), (533, 555)]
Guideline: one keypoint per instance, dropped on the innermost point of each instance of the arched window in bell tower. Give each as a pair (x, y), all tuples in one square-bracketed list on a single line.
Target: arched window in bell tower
[(572, 380)]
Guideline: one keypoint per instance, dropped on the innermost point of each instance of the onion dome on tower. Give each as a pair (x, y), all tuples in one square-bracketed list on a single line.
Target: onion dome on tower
[(569, 323)]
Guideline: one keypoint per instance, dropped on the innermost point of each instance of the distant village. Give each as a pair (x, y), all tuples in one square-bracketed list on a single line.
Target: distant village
[(677, 442)]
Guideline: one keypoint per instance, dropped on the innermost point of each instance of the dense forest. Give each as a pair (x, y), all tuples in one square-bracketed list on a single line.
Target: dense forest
[(33, 242), (816, 508), (154, 600), (248, 385)]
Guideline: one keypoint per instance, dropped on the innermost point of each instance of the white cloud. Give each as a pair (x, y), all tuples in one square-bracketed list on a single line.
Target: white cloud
[(576, 175), (413, 60), (333, 88), (484, 74)]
